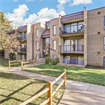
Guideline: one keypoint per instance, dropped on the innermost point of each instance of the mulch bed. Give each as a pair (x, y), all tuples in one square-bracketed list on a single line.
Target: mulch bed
[(95, 67)]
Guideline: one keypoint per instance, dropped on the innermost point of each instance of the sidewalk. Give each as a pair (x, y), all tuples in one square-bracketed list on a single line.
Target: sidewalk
[(79, 91)]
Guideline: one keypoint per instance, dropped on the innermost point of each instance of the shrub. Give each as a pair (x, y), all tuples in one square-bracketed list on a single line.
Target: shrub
[(55, 61), (47, 60), (11, 56)]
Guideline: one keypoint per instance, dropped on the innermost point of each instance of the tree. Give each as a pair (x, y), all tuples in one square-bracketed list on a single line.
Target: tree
[(7, 41)]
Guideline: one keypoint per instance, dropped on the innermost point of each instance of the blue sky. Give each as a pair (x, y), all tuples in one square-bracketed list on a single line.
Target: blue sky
[(33, 11)]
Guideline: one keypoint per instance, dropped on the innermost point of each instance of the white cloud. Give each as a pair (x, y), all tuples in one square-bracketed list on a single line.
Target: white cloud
[(19, 15), (62, 3), (77, 2)]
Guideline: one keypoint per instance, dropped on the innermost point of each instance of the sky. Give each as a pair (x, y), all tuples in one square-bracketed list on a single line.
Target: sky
[(21, 12)]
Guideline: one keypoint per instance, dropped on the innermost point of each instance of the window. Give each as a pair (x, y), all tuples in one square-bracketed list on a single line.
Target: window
[(36, 32), (37, 57), (48, 40), (36, 45), (54, 56), (104, 43), (104, 60), (54, 45), (54, 30), (74, 28), (104, 22)]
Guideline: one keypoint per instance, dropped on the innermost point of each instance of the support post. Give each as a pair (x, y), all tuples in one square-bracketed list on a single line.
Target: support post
[(21, 65), (65, 77), (49, 93), (9, 63)]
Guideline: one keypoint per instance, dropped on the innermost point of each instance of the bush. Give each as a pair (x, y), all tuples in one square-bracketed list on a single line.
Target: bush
[(47, 60), (11, 56), (55, 61)]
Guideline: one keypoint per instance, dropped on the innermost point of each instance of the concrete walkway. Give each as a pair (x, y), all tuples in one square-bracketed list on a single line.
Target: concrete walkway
[(77, 93)]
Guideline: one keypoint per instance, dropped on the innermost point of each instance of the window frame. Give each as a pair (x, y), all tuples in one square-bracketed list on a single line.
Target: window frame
[(37, 33), (54, 44), (54, 33), (104, 43), (37, 47)]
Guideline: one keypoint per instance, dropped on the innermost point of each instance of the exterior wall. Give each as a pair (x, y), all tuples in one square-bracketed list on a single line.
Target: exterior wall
[(95, 42), (18, 57), (29, 42), (41, 28), (54, 37), (6, 55)]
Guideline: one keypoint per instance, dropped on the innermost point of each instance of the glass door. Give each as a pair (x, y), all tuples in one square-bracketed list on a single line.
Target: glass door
[(67, 45)]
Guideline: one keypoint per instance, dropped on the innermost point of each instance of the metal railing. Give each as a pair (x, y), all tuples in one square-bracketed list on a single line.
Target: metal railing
[(78, 28), (22, 36), (23, 50), (71, 48)]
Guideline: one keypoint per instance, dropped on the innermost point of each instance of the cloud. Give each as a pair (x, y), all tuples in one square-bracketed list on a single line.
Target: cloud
[(77, 2), (19, 15), (62, 3)]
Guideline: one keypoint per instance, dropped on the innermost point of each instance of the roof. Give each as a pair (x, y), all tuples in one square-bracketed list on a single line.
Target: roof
[(72, 16), (46, 33), (22, 28), (11, 32)]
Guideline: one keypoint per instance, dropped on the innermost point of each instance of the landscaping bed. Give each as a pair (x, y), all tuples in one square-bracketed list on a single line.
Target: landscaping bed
[(15, 89), (89, 75)]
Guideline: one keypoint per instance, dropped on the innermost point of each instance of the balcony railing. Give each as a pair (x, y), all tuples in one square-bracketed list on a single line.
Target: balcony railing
[(71, 49), (22, 50), (22, 36), (77, 28)]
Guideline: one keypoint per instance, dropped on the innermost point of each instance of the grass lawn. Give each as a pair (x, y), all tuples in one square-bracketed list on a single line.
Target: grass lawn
[(14, 89), (95, 76), (6, 64)]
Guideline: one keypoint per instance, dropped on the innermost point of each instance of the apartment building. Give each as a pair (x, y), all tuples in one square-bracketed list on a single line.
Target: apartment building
[(77, 39)]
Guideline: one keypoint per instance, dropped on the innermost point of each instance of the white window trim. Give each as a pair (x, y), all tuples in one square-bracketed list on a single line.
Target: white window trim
[(54, 43), (37, 32), (54, 29), (37, 46)]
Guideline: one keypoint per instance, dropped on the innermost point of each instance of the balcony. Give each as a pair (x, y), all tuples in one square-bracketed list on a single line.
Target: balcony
[(78, 49), (22, 50), (22, 37), (72, 30)]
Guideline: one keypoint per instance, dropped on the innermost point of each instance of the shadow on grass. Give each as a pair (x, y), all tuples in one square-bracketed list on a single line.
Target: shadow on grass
[(11, 76), (16, 91)]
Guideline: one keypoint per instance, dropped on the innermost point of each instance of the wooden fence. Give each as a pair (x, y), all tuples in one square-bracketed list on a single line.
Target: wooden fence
[(48, 89), (28, 61), (14, 62), (22, 63)]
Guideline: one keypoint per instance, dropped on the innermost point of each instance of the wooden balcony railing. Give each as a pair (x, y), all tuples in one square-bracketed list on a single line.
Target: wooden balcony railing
[(78, 28), (71, 48)]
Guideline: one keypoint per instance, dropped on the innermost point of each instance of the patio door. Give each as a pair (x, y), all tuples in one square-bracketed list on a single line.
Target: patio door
[(74, 45), (67, 45), (67, 59)]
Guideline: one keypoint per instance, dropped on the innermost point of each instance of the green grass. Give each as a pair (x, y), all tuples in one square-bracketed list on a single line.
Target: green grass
[(95, 76), (6, 64), (15, 89)]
